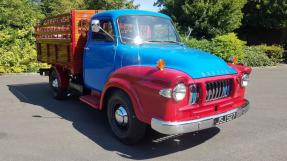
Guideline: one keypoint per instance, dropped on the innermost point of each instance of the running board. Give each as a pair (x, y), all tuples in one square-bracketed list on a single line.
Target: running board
[(92, 101)]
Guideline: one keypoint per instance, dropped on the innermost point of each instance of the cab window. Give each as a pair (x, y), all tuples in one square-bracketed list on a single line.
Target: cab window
[(102, 36)]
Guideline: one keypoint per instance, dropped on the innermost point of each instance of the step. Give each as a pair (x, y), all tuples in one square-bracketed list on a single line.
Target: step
[(92, 101)]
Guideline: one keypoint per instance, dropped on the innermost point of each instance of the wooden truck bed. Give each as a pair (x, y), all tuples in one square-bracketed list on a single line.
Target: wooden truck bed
[(61, 40)]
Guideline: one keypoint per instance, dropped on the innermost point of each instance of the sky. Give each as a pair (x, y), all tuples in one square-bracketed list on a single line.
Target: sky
[(146, 5)]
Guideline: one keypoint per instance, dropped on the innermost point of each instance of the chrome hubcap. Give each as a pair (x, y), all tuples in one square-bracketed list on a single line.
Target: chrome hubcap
[(55, 83), (121, 116)]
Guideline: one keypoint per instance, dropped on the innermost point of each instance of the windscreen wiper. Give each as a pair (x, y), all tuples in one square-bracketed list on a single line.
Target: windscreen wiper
[(163, 41)]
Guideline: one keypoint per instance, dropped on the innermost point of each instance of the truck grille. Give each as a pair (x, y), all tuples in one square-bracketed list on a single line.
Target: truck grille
[(218, 89)]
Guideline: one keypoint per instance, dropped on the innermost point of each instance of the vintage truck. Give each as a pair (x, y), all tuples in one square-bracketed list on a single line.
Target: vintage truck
[(132, 64)]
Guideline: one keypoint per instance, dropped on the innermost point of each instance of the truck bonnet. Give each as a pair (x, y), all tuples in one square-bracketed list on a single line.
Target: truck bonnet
[(196, 63)]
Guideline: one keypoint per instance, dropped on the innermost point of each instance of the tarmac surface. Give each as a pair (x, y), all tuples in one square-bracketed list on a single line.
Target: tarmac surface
[(35, 127)]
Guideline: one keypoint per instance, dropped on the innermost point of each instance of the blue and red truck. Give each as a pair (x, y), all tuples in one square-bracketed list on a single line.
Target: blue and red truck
[(132, 64)]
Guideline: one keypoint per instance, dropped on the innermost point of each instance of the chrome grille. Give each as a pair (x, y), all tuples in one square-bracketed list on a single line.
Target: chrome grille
[(218, 89)]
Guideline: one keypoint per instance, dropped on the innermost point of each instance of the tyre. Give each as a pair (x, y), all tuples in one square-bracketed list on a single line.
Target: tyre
[(122, 119), (54, 83)]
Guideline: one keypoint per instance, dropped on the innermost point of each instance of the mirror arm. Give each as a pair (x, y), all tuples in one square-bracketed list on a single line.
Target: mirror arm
[(106, 33)]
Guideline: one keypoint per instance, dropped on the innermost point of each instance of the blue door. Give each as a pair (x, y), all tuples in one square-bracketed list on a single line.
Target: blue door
[(99, 55)]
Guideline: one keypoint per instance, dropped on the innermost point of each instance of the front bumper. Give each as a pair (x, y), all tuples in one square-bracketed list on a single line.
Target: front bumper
[(165, 127)]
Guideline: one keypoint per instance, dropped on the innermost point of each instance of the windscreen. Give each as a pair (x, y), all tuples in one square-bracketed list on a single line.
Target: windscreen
[(146, 29)]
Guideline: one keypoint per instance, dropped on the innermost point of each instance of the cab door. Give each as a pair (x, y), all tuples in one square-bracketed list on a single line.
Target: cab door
[(99, 55)]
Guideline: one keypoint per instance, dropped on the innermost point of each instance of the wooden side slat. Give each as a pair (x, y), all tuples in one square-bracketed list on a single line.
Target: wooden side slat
[(52, 32), (52, 55), (55, 41), (56, 24), (44, 53), (62, 53), (48, 53)]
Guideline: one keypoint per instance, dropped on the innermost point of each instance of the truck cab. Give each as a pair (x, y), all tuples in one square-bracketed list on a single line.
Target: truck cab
[(135, 66), (121, 41)]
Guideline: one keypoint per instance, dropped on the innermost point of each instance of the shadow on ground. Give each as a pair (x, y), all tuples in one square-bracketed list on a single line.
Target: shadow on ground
[(93, 124)]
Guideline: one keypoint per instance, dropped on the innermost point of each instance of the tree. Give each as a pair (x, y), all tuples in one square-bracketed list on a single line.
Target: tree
[(56, 7), (207, 18), (17, 20), (18, 14), (111, 4), (270, 14)]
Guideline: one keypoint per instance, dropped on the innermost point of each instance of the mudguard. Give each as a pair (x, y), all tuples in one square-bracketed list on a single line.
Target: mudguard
[(142, 84), (62, 75), (240, 68)]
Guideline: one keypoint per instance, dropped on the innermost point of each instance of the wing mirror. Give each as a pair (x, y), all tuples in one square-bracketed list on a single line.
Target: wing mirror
[(96, 25)]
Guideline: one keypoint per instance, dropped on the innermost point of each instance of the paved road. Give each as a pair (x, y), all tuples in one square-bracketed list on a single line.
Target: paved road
[(35, 127)]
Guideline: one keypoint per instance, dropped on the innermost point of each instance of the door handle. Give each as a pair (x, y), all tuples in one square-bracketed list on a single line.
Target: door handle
[(87, 48)]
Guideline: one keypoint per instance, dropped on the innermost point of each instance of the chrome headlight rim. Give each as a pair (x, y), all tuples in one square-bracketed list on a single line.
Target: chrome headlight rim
[(179, 92)]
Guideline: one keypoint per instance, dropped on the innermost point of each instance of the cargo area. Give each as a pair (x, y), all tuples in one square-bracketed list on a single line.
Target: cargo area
[(60, 40)]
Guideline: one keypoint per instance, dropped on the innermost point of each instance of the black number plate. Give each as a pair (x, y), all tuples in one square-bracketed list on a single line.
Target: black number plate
[(225, 118)]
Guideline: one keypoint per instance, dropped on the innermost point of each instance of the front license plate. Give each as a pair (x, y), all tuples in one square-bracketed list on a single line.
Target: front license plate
[(225, 118)]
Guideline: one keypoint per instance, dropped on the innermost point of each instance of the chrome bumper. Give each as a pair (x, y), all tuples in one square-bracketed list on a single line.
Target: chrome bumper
[(194, 125)]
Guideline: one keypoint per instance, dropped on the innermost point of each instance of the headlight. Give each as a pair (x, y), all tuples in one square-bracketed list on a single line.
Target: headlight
[(179, 92), (244, 80)]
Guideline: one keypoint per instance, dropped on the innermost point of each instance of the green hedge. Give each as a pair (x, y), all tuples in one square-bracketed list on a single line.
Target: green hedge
[(256, 57), (224, 46), (263, 55), (20, 57), (17, 43), (275, 53), (229, 45)]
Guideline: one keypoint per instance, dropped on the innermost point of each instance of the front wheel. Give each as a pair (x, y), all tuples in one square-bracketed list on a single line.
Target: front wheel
[(122, 119)]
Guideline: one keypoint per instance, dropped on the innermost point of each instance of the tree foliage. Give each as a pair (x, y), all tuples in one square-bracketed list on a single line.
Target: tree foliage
[(110, 4), (207, 18), (266, 13), (224, 46), (17, 20), (56, 7)]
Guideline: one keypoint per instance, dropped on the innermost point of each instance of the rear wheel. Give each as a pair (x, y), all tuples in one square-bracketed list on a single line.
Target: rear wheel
[(54, 82), (122, 119)]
